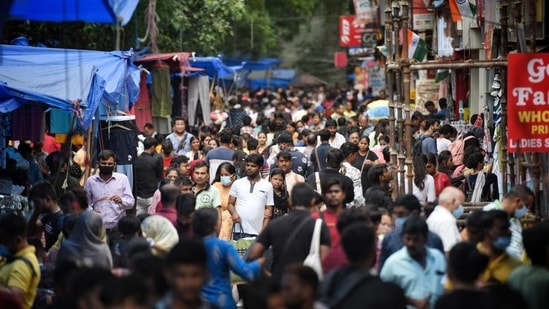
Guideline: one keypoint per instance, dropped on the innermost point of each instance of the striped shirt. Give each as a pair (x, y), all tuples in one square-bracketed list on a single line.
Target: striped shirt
[(516, 248)]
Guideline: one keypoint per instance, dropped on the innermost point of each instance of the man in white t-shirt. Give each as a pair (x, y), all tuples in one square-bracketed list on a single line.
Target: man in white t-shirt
[(251, 200), (442, 220)]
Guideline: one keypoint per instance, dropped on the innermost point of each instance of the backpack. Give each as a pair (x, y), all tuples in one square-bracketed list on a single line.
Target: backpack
[(417, 148), (457, 149)]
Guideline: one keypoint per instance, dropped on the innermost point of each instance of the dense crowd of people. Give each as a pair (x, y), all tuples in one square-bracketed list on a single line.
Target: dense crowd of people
[(285, 201)]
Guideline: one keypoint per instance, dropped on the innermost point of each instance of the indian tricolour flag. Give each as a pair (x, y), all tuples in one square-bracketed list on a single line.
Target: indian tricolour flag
[(417, 47), (462, 8)]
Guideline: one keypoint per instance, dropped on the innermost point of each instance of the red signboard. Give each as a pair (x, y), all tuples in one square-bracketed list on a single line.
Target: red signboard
[(340, 59), (528, 103), (350, 32)]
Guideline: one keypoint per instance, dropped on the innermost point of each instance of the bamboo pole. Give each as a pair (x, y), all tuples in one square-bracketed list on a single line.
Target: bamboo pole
[(389, 86)]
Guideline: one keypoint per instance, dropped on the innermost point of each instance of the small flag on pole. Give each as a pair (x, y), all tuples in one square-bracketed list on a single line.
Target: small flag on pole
[(417, 47), (441, 75), (465, 8)]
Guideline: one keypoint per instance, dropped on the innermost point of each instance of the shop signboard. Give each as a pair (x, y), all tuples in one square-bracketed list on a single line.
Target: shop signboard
[(528, 103)]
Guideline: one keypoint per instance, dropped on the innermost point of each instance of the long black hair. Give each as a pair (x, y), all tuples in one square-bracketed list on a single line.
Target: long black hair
[(420, 171), (228, 166)]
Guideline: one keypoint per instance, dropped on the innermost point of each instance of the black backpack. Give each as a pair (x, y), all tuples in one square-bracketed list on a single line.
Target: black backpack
[(417, 147)]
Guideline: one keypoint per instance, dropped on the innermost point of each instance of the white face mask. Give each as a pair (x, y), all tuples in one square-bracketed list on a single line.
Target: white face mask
[(226, 180)]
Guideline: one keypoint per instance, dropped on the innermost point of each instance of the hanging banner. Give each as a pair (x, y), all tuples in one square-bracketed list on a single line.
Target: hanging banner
[(527, 103), (423, 17), (350, 32), (366, 12)]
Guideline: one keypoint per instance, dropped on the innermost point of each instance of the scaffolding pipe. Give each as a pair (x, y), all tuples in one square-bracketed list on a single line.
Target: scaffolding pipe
[(450, 65), (505, 157), (390, 94), (407, 110)]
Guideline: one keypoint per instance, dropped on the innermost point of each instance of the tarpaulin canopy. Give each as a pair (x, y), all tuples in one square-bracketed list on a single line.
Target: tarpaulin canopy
[(183, 62), (60, 77), (91, 11), (249, 64), (214, 67), (270, 78)]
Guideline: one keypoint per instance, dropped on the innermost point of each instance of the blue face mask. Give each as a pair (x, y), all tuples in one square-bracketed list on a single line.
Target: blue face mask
[(226, 180), (5, 252), (458, 212), (502, 242), (399, 222), (520, 212)]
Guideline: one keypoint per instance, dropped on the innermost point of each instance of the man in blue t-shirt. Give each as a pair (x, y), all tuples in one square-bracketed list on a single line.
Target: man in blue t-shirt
[(221, 154)]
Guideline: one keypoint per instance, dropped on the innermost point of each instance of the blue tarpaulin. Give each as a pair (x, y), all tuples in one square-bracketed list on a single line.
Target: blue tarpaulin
[(213, 66), (249, 64), (58, 77), (91, 11)]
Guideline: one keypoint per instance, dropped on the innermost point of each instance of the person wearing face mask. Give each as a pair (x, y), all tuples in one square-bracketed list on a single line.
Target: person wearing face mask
[(442, 220), (405, 206), (19, 270), (516, 204), (110, 195), (496, 239), (223, 181)]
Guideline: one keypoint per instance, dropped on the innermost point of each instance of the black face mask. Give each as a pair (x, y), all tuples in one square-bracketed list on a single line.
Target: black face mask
[(106, 170)]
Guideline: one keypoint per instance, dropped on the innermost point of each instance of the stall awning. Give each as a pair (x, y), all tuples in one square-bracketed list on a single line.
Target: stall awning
[(61, 77), (90, 11)]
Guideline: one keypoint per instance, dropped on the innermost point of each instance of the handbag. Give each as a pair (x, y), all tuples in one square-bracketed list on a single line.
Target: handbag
[(313, 259), (243, 244), (242, 247)]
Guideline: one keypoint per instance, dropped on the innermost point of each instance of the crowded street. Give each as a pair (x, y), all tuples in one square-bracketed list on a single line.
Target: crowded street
[(414, 175)]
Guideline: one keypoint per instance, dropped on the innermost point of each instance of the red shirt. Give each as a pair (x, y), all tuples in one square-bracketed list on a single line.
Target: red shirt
[(50, 145), (330, 219), (168, 213), (336, 258), (441, 181)]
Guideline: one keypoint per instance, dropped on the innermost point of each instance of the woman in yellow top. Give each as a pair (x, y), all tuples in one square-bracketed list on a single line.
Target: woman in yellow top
[(224, 178)]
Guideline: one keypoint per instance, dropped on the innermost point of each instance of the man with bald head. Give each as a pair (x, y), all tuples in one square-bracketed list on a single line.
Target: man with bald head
[(443, 219)]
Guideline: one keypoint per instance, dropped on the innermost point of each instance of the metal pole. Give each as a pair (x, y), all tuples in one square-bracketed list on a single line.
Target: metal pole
[(532, 14), (395, 6), (406, 79), (503, 155), (389, 87), (433, 65)]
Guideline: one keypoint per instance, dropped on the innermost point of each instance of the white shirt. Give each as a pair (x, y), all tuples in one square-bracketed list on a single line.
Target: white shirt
[(516, 248), (337, 141), (443, 144), (251, 201), (443, 223), (356, 176), (428, 194), (291, 179)]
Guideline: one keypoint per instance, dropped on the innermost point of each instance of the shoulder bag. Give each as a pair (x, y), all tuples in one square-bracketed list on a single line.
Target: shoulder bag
[(313, 259)]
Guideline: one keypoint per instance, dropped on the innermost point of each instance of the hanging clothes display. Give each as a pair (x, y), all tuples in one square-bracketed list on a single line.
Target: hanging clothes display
[(142, 108), (161, 100), (184, 88), (199, 94), (60, 121), (176, 98), (5, 133), (25, 115), (120, 137)]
